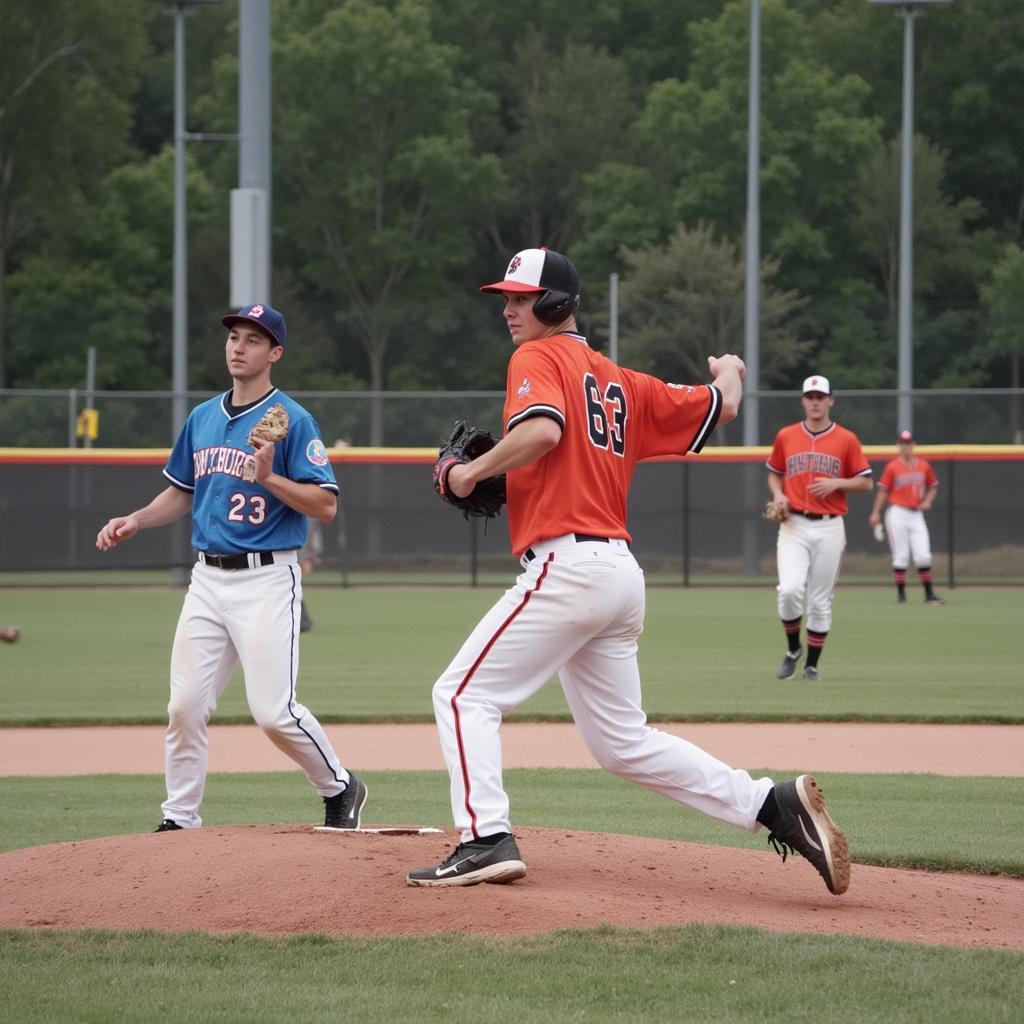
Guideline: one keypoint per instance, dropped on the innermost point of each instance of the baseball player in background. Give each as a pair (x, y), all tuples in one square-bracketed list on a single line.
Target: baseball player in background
[(814, 464), (249, 499), (576, 424), (910, 485)]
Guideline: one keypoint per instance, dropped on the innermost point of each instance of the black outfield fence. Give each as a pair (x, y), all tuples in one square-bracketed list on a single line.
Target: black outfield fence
[(694, 521)]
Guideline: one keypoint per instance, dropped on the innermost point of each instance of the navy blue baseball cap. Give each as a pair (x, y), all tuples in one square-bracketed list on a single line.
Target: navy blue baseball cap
[(266, 318)]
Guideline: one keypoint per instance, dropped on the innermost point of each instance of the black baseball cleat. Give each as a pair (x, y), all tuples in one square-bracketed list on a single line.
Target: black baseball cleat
[(472, 863), (933, 599), (344, 810), (788, 665), (901, 598), (811, 673), (168, 826), (804, 827)]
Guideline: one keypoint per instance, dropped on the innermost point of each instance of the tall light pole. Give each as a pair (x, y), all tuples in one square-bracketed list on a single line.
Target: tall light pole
[(753, 476), (909, 11), (179, 303)]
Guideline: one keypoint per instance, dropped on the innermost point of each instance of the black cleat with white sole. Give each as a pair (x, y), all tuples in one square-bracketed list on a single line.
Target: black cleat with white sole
[(472, 863), (344, 811), (804, 827)]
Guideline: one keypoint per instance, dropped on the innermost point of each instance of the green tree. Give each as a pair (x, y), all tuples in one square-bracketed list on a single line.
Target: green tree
[(574, 109), (105, 282), (377, 168), (1003, 299), (69, 68), (950, 255), (684, 301)]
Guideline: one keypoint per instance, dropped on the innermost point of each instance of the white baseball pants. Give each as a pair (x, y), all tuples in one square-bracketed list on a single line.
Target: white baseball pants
[(577, 609), (908, 537), (247, 616), (809, 553)]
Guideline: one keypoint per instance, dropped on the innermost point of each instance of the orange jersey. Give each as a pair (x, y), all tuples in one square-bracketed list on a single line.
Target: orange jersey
[(906, 483), (611, 417), (801, 457)]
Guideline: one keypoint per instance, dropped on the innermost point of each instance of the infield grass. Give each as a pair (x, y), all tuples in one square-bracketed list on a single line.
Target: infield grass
[(696, 973), (101, 656), (945, 824)]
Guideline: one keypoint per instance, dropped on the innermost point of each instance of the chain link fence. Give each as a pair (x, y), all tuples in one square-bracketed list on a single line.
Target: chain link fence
[(143, 419)]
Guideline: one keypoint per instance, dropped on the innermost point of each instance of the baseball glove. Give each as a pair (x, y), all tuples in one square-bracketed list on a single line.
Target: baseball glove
[(775, 513), (464, 444), (271, 426)]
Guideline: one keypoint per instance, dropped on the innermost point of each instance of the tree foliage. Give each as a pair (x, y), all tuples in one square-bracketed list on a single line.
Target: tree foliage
[(69, 68), (417, 144), (684, 301)]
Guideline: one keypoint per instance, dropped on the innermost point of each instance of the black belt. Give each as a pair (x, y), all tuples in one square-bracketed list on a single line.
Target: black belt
[(236, 561), (530, 554), (812, 515)]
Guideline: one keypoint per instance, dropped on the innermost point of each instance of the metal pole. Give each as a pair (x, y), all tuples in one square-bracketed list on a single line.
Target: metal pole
[(613, 318), (179, 361), (254, 99), (90, 385), (72, 417), (752, 480), (905, 342), (752, 325)]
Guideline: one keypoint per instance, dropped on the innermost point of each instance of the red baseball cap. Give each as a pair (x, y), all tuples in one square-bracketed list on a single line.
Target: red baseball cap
[(905, 435)]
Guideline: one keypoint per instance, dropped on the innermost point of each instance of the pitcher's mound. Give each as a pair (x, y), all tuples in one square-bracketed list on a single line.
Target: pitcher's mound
[(284, 879)]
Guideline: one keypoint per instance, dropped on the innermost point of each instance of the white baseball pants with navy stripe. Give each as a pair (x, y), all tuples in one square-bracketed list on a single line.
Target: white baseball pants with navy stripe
[(247, 616), (576, 610)]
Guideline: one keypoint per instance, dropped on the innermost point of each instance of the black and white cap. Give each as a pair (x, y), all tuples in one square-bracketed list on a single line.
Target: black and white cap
[(538, 270)]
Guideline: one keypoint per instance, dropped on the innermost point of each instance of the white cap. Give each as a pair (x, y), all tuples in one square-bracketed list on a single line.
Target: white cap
[(819, 384)]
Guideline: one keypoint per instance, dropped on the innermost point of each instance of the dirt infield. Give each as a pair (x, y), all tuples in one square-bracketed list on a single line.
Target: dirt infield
[(258, 878), (819, 747)]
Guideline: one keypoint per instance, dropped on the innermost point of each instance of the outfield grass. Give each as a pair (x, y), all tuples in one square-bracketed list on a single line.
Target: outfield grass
[(93, 656), (696, 973)]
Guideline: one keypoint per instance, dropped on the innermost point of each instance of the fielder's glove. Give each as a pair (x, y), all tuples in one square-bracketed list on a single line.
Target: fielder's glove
[(271, 426), (775, 513), (464, 444)]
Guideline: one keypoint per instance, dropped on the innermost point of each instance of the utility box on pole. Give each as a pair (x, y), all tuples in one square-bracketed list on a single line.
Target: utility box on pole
[(250, 260)]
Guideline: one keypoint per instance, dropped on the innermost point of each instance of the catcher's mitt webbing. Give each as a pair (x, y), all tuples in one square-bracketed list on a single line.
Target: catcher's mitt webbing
[(464, 444)]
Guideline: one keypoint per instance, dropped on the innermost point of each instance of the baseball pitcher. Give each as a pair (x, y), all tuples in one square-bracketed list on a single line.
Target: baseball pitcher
[(576, 424)]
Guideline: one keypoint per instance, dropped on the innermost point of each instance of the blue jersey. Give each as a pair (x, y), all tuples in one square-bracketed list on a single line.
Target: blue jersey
[(230, 515)]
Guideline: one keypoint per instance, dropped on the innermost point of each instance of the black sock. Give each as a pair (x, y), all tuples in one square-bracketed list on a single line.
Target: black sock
[(792, 629), (769, 813), (491, 840)]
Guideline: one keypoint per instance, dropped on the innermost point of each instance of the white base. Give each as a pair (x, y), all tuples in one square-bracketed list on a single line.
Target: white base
[(385, 830)]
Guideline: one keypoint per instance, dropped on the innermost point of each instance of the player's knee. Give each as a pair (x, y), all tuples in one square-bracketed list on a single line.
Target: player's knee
[(270, 720), (185, 716), (442, 693)]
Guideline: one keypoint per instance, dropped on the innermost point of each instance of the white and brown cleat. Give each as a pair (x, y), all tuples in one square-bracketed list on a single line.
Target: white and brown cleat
[(805, 827)]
